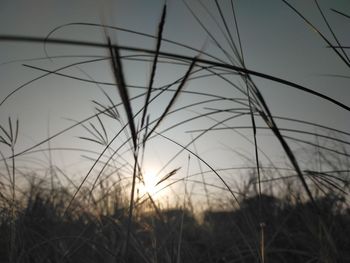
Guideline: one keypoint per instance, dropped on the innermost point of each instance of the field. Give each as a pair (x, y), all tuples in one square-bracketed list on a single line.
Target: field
[(185, 131)]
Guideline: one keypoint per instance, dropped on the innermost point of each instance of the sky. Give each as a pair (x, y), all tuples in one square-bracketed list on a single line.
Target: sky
[(275, 41)]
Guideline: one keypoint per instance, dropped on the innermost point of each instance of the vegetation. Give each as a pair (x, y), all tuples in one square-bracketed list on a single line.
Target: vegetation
[(257, 211), (293, 232)]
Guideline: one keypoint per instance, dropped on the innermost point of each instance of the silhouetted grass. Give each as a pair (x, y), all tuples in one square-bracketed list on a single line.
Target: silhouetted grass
[(292, 231), (273, 214)]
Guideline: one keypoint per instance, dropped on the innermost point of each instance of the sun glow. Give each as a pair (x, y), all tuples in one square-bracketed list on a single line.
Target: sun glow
[(150, 180)]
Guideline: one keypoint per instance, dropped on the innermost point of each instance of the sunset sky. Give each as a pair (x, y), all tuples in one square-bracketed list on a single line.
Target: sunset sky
[(275, 41)]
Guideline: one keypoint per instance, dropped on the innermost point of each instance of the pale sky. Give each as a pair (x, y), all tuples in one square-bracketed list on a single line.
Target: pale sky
[(275, 41)]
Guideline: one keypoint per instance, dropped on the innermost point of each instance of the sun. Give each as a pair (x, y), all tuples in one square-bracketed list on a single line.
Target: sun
[(148, 185), (150, 180)]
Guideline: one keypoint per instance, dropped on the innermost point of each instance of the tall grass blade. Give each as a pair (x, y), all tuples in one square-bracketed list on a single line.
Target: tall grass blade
[(16, 132), (218, 25), (6, 133), (229, 57), (238, 34), (168, 175), (131, 208), (11, 130), (331, 30), (2, 140), (154, 65), (173, 99), (123, 92), (37, 78), (114, 109), (105, 138), (91, 140), (317, 31), (228, 31), (262, 237), (340, 13), (202, 174), (48, 38)]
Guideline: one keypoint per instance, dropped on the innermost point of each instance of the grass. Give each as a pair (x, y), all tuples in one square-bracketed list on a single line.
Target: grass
[(292, 231), (294, 213)]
